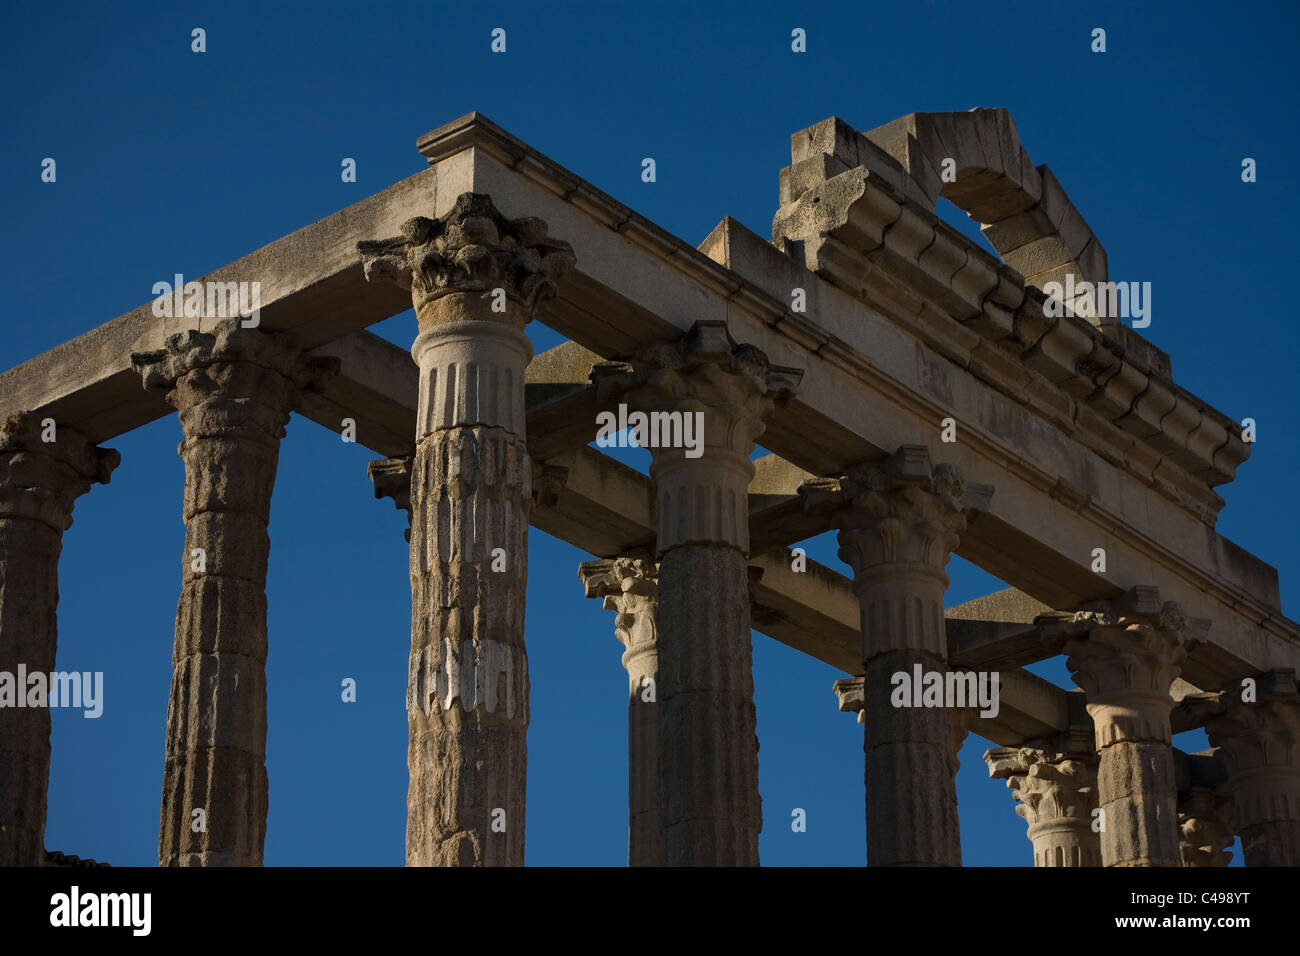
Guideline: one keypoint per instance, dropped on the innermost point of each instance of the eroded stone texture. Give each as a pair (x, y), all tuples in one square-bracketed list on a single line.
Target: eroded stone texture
[(475, 279), (1056, 794), (708, 761), (39, 485), (899, 523), (1259, 740), (630, 588), (1125, 655), (234, 389)]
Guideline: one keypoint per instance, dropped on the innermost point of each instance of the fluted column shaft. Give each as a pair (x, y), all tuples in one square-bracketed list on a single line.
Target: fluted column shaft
[(475, 279), (712, 812), (709, 802), (470, 492), (911, 792), (630, 588), (899, 523), (39, 484), (234, 389)]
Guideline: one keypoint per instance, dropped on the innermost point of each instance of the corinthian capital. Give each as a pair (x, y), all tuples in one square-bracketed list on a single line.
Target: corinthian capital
[(1136, 643), (1125, 654), (1047, 786), (912, 512), (1255, 728), (232, 379), (42, 479), (1259, 731), (630, 588), (474, 249), (734, 386)]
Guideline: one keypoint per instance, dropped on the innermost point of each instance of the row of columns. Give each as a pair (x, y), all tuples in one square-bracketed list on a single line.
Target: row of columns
[(682, 613), (1056, 793)]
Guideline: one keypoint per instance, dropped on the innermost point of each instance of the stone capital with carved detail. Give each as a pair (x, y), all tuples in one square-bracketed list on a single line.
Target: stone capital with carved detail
[(1257, 734), (629, 586), (1258, 737), (1047, 785), (233, 382), (850, 693), (1125, 654), (454, 265), (729, 390), (900, 511), (1056, 795), (42, 480), (735, 386), (899, 522)]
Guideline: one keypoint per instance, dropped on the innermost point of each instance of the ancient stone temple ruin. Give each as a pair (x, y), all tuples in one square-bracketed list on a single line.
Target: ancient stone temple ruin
[(917, 393)]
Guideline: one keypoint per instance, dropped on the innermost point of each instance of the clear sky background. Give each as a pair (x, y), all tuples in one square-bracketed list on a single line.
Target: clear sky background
[(171, 161)]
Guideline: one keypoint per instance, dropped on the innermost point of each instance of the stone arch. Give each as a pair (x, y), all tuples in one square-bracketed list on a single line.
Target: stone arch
[(1022, 209)]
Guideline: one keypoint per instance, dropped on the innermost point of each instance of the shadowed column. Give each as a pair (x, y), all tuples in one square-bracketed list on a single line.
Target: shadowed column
[(234, 389), (705, 399), (899, 523), (1125, 655), (1256, 728), (475, 279), (1206, 822), (630, 587), (40, 482)]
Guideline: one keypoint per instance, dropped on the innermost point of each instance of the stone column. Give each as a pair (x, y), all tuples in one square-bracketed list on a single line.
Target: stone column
[(1205, 807), (392, 479), (899, 523), (1125, 655), (1205, 827), (475, 279), (234, 389), (630, 587), (40, 482), (1258, 735), (1056, 794), (706, 399)]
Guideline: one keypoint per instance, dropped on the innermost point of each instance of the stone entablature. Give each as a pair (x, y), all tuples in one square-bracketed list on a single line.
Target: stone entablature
[(845, 209)]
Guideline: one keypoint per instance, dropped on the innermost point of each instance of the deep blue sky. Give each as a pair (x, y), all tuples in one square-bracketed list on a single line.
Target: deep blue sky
[(170, 161)]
